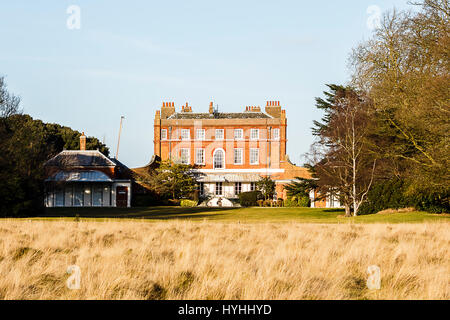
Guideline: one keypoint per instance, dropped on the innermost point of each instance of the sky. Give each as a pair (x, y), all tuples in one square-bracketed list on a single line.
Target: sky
[(127, 57)]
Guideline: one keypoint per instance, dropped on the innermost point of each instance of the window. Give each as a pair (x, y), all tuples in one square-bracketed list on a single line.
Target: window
[(184, 156), (201, 188), (254, 134), (97, 195), (238, 156), (185, 134), (252, 186), (238, 134), (276, 134), (219, 159), (200, 134), (237, 188), (164, 134), (200, 156), (219, 134), (254, 156), (218, 188)]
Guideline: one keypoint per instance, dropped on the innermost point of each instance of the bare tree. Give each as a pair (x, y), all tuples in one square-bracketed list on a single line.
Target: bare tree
[(9, 103), (343, 159)]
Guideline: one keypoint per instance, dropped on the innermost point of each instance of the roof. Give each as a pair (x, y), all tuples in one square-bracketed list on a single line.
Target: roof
[(80, 176), (220, 115), (80, 158)]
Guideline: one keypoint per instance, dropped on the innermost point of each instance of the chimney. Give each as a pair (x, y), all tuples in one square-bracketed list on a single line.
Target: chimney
[(211, 108), (82, 142), (273, 108), (168, 108)]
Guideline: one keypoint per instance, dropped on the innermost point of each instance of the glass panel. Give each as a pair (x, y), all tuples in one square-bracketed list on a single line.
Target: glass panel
[(78, 195), (68, 196), (59, 197), (106, 196), (97, 195), (87, 196)]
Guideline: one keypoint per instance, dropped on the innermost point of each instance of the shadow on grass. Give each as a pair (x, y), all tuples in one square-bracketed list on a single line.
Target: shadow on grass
[(142, 213)]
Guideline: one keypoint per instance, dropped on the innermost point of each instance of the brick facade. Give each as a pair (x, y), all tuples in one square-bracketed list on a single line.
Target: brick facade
[(252, 143)]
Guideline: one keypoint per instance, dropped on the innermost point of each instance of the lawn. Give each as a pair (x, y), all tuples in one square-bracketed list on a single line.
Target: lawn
[(306, 215)]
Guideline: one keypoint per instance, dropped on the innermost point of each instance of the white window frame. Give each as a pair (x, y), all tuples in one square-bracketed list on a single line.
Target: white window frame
[(183, 134), (182, 150), (252, 150), (224, 158), (163, 134), (276, 136), (241, 134), (252, 186), (200, 134), (252, 135), (196, 156), (223, 134), (241, 162)]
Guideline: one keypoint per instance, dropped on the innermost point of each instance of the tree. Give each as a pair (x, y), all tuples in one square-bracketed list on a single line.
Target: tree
[(25, 145), (266, 186), (404, 69), (300, 187), (342, 157), (174, 179)]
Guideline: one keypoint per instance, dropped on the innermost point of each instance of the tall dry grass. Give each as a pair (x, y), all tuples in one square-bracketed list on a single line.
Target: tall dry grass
[(204, 260)]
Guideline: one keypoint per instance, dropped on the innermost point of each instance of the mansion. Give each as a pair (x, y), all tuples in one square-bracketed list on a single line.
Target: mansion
[(229, 151)]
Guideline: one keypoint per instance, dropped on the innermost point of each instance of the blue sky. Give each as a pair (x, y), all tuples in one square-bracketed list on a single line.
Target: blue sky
[(129, 56)]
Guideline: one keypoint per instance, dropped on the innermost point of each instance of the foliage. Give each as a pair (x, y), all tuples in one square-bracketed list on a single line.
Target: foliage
[(170, 179), (266, 186), (294, 201), (395, 194), (188, 203), (300, 187), (25, 145), (249, 199), (405, 70)]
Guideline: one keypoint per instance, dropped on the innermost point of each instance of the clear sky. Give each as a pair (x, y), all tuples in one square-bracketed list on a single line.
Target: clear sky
[(129, 56)]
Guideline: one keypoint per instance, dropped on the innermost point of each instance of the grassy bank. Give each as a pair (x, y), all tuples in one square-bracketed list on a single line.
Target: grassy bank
[(306, 215)]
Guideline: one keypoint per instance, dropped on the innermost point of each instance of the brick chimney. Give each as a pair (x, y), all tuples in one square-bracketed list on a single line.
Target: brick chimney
[(82, 142), (186, 108), (273, 108), (167, 109), (211, 108)]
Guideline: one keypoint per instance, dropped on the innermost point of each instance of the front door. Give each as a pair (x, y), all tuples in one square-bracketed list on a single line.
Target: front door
[(122, 197)]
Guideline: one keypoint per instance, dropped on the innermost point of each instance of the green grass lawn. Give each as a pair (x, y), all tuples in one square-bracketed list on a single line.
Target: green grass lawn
[(307, 215)]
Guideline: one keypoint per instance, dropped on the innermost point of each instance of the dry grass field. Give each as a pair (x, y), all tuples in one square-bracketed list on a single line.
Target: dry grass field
[(222, 260)]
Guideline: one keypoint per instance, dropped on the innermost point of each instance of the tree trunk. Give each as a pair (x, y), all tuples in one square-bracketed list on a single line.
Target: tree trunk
[(347, 210)]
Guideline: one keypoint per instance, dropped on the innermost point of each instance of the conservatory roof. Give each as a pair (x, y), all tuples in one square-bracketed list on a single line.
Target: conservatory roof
[(80, 176)]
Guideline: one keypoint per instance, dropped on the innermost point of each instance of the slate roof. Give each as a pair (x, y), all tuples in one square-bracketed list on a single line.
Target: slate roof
[(220, 115), (80, 158)]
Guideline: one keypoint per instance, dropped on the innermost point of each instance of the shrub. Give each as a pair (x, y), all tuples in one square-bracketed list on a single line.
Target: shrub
[(291, 202), (267, 203), (260, 203), (392, 194), (280, 202), (188, 203), (304, 201), (249, 199)]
